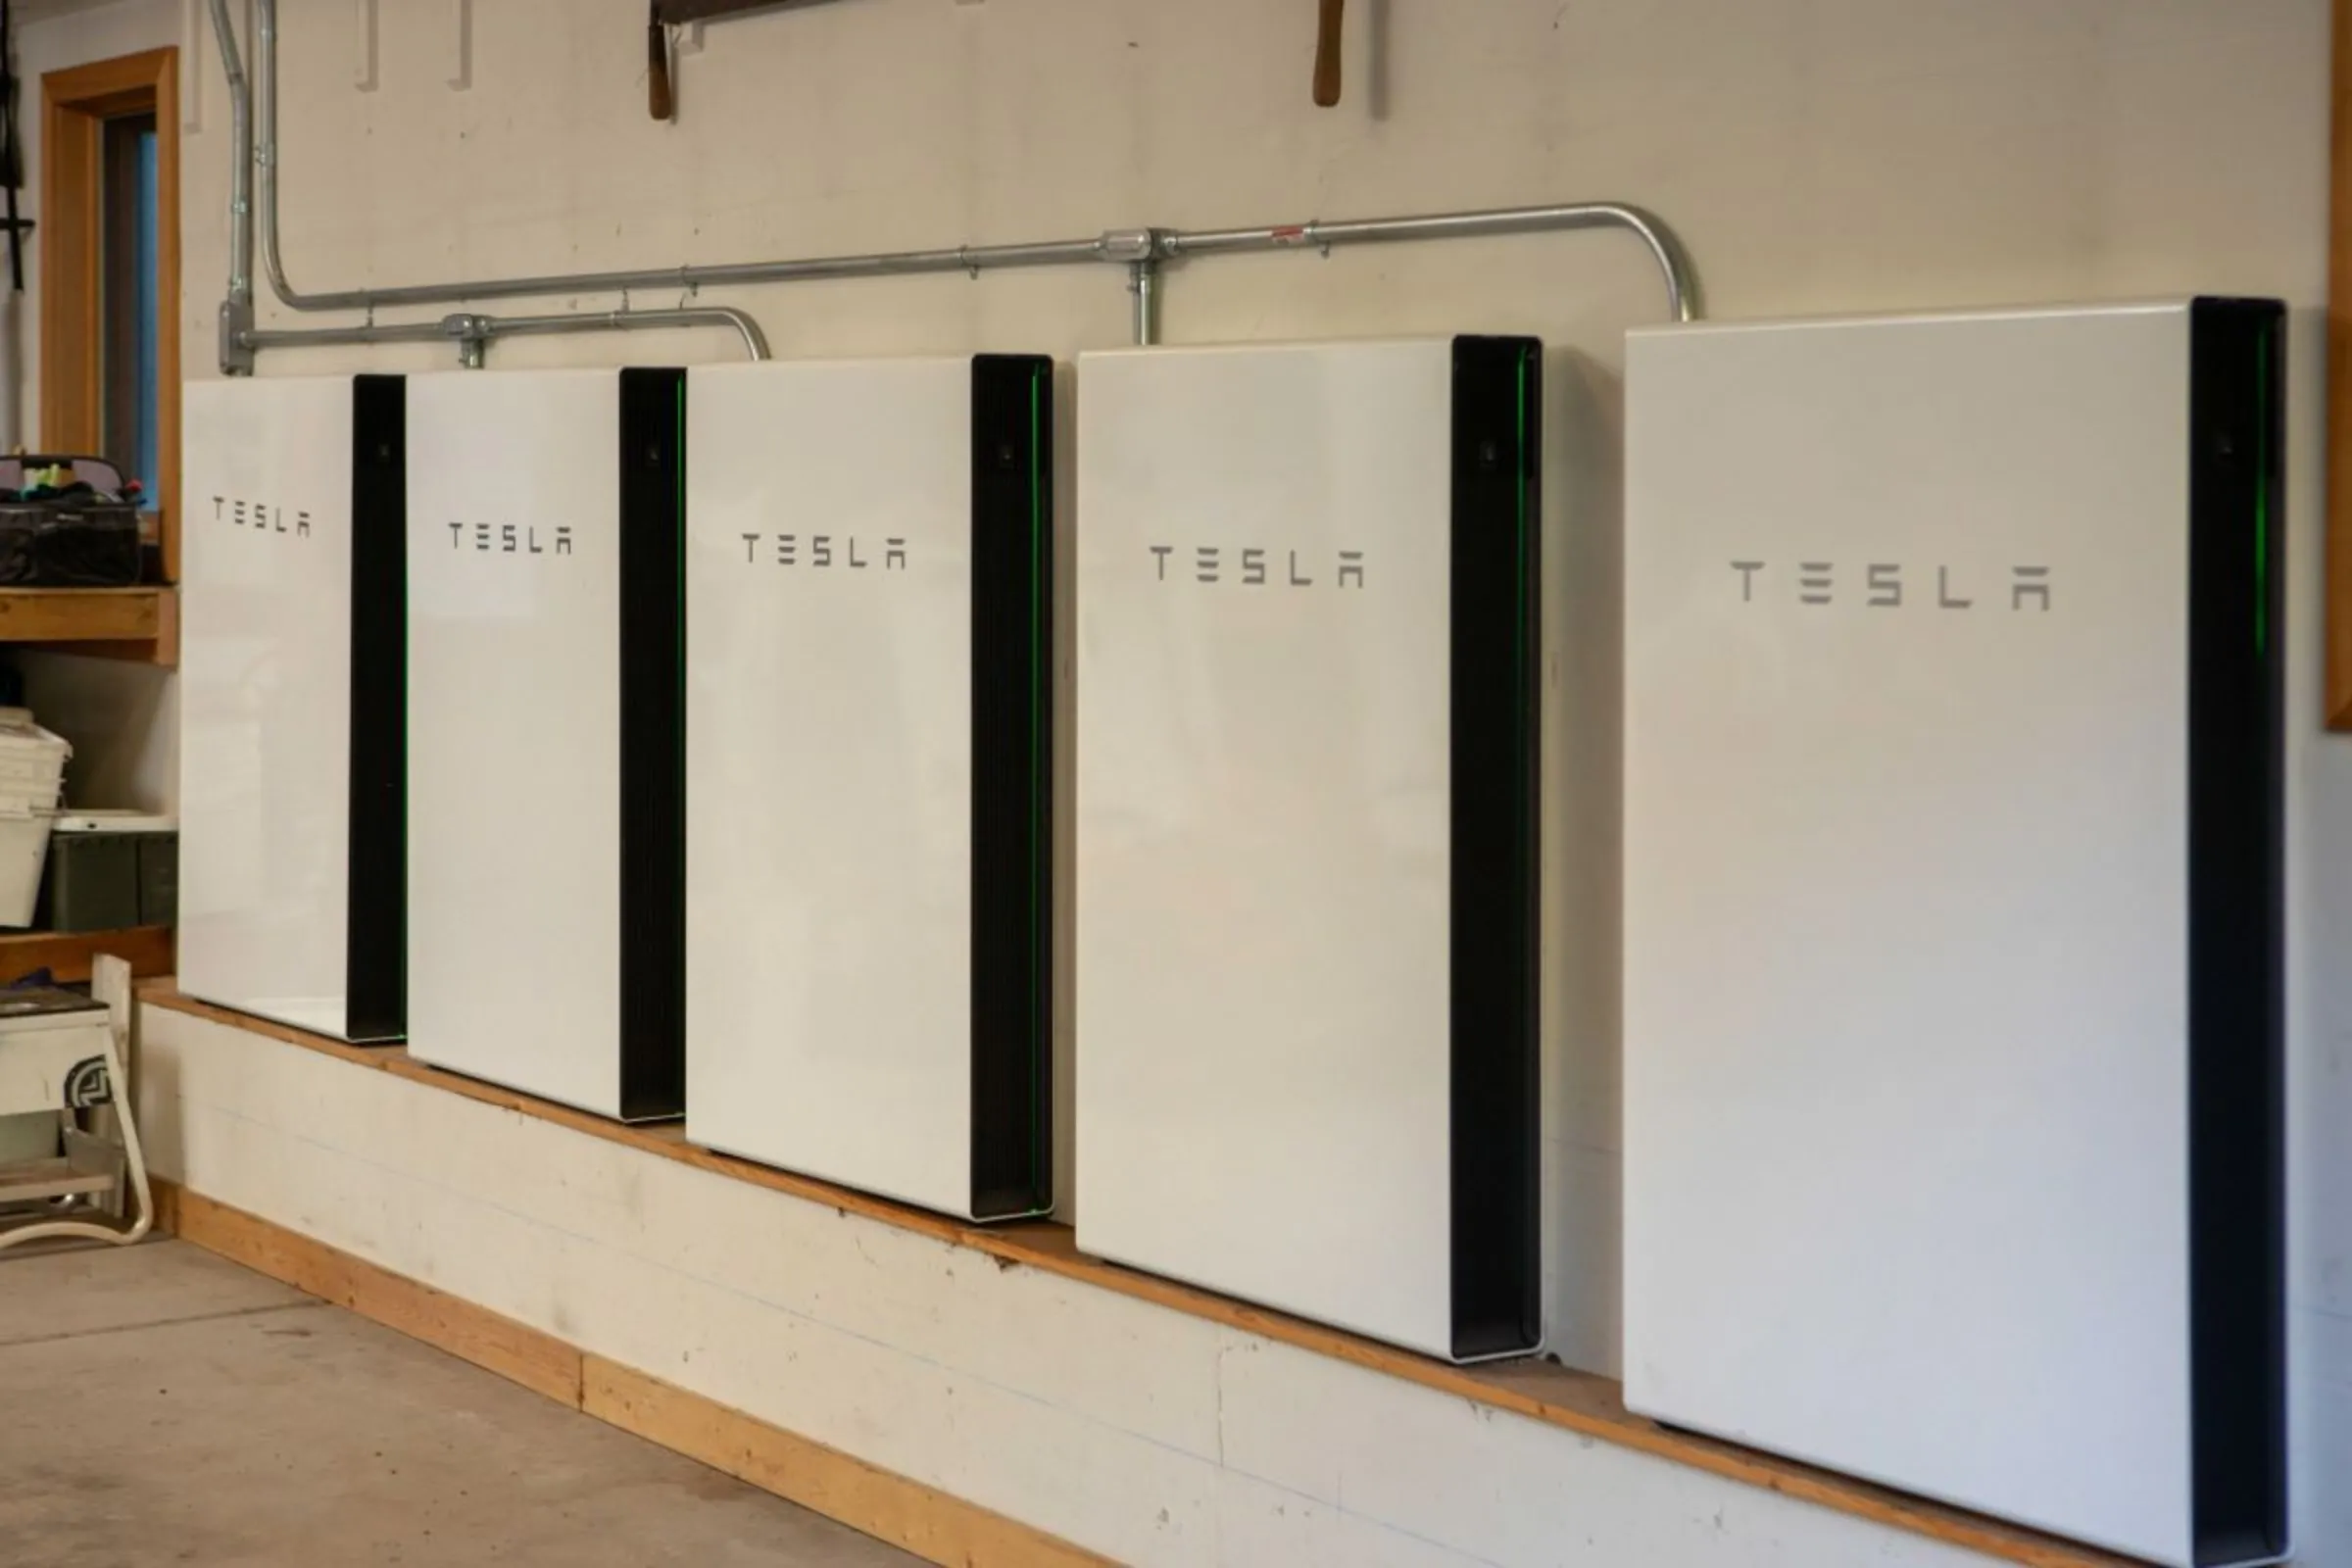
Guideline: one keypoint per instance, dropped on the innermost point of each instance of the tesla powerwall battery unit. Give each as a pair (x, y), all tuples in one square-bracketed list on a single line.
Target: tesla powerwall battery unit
[(1306, 837), (1953, 920), (547, 733), (869, 764), (291, 805)]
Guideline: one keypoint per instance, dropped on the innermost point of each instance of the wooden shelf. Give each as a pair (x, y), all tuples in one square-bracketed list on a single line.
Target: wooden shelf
[(66, 954), (138, 623)]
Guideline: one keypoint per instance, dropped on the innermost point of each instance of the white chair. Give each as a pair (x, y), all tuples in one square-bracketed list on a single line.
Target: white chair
[(65, 1054)]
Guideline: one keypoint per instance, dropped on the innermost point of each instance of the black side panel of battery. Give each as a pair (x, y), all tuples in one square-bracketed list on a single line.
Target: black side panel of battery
[(1012, 784), (1496, 619), (376, 922), (2236, 932), (652, 743)]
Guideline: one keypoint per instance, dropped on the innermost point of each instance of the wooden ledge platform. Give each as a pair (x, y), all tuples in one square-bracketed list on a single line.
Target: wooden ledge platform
[(141, 624), (66, 954), (1578, 1401)]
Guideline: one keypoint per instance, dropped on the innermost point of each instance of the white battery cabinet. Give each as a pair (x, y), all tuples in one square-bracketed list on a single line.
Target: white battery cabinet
[(545, 733), (1308, 758), (292, 803), (869, 767), (1953, 909)]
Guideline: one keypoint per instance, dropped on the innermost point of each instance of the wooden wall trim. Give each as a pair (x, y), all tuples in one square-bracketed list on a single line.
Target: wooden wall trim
[(514, 1351), (67, 288), (167, 306), (1577, 1402), (874, 1501), (908, 1514), (2339, 696), (76, 103)]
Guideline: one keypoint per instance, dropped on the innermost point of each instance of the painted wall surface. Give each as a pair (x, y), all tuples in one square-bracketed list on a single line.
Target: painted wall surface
[(1815, 155)]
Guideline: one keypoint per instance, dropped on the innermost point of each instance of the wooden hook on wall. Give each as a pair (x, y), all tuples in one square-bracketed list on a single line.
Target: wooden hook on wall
[(1328, 28), (657, 100)]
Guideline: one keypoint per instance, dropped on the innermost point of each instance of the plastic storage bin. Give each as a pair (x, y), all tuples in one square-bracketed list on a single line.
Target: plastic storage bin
[(23, 846), (32, 774), (111, 869)]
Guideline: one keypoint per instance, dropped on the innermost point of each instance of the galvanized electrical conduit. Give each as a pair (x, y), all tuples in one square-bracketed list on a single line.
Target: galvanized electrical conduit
[(755, 341), (1142, 250), (240, 172), (470, 331)]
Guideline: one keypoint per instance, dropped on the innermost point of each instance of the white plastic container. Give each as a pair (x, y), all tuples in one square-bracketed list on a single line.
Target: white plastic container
[(23, 846), (32, 762), (32, 774)]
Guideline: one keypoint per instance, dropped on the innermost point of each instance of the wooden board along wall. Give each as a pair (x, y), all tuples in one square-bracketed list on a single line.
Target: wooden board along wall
[(68, 954), (830, 1284), (908, 1514)]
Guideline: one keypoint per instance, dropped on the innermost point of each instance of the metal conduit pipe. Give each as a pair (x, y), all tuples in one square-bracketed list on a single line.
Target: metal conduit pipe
[(236, 312), (263, 92), (319, 337), (240, 169), (1681, 293), (1143, 282), (1140, 250), (755, 341), (470, 331), (969, 258)]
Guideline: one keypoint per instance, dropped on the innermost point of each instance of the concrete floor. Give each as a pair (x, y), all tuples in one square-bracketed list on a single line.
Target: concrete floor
[(161, 1406)]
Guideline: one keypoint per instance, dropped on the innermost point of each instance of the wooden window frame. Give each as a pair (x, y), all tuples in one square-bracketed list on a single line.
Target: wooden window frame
[(75, 105), (2338, 695)]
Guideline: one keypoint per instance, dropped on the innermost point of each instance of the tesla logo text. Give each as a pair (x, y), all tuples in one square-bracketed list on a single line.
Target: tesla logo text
[(260, 515), (1890, 585), (1247, 567), (505, 539), (826, 550)]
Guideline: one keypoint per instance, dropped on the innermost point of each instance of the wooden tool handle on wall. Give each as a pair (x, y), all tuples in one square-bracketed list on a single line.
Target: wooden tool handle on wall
[(656, 69), (1327, 52)]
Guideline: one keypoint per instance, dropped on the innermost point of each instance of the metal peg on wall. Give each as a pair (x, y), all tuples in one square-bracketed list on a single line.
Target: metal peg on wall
[(364, 45), (460, 24)]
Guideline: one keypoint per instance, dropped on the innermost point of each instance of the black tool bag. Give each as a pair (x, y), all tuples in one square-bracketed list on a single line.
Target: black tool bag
[(65, 529)]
